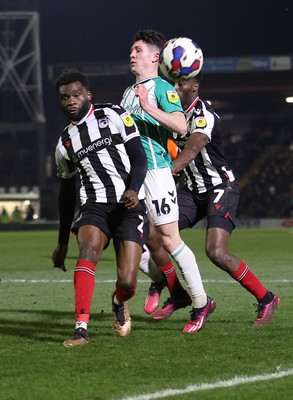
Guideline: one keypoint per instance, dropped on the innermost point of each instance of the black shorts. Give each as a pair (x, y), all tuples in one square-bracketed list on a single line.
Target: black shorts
[(116, 221), (219, 206)]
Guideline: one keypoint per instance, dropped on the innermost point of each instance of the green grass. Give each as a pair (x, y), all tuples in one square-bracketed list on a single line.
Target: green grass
[(35, 318)]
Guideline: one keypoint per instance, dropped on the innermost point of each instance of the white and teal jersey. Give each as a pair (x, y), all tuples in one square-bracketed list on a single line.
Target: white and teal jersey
[(153, 135)]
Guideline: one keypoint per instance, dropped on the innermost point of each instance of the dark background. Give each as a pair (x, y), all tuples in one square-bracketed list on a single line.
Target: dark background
[(84, 33), (75, 32), (91, 31), (94, 30)]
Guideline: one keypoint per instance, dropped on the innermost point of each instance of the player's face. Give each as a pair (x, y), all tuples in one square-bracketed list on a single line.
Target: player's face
[(75, 100), (187, 91), (143, 57)]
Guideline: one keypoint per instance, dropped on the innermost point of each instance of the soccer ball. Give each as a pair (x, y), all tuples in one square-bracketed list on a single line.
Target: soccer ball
[(180, 59)]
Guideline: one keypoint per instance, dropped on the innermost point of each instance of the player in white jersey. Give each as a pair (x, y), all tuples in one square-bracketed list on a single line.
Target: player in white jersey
[(156, 109), (102, 144)]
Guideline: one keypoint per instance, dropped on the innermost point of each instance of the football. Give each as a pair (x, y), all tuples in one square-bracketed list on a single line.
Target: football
[(180, 59)]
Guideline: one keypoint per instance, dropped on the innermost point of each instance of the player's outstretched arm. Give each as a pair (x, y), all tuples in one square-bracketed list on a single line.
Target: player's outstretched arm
[(194, 144)]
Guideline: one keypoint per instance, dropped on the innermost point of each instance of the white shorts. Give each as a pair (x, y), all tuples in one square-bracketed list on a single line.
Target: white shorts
[(161, 196)]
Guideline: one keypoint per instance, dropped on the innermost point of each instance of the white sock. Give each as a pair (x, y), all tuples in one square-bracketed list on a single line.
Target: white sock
[(189, 269), (115, 301), (80, 324), (148, 267)]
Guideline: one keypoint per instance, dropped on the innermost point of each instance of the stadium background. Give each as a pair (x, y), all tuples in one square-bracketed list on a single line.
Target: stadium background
[(248, 73)]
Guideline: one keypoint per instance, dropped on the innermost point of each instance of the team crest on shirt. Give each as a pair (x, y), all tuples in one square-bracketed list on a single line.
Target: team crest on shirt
[(102, 123), (127, 119), (200, 122), (172, 96)]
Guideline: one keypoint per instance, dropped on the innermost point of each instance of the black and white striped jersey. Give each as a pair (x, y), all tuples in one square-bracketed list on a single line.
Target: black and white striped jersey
[(94, 147), (210, 167)]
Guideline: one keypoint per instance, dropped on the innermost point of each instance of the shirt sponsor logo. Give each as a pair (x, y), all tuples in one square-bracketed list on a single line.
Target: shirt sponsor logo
[(200, 122), (94, 147), (172, 96), (127, 119)]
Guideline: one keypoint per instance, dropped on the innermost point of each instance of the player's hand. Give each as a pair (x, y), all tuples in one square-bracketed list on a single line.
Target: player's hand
[(179, 178), (59, 255), (130, 199)]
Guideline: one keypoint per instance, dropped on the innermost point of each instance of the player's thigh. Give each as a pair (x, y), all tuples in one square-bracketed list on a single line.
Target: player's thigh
[(131, 224), (222, 207), (188, 209), (91, 242), (129, 236), (161, 197)]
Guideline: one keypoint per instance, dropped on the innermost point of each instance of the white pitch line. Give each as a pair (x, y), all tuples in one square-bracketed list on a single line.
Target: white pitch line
[(238, 380), (8, 280)]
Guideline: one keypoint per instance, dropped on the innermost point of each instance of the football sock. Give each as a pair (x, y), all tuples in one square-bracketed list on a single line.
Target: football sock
[(249, 281), (173, 283), (188, 266), (81, 324), (148, 267), (121, 295), (84, 283)]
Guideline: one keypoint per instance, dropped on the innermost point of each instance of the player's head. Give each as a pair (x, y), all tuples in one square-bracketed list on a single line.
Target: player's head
[(70, 76), (74, 95), (145, 51), (188, 90), (151, 37)]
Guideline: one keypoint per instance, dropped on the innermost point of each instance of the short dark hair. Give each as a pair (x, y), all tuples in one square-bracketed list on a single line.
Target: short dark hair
[(70, 76), (150, 36)]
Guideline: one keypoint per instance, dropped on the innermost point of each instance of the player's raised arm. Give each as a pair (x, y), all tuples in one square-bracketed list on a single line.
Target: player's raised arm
[(174, 121)]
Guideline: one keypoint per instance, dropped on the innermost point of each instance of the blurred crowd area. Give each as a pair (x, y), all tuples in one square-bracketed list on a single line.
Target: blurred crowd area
[(262, 159), (17, 215)]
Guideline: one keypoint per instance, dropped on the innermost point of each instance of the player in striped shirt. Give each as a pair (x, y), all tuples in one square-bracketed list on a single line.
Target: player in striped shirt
[(102, 144), (156, 109), (211, 191)]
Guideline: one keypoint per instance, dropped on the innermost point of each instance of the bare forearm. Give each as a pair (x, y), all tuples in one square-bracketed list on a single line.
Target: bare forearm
[(194, 144), (183, 160), (175, 121)]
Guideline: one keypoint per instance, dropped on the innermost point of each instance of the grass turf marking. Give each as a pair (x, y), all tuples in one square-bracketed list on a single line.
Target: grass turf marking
[(237, 380)]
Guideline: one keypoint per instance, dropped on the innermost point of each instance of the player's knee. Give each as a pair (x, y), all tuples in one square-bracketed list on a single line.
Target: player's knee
[(89, 249), (216, 255), (88, 253), (170, 243)]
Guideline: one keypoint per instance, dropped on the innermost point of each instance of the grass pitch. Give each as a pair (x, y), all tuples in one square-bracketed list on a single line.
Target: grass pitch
[(36, 315)]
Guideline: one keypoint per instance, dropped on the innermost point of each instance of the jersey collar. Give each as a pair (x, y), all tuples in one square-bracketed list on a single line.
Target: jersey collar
[(192, 105), (144, 80)]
